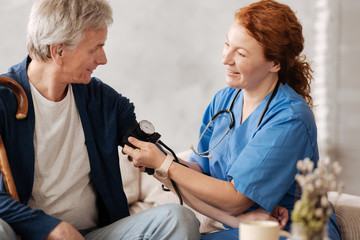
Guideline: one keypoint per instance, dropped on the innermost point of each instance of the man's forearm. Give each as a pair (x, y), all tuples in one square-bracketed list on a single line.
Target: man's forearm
[(24, 220)]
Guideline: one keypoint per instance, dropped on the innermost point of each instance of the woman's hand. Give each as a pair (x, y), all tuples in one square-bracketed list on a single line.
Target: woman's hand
[(279, 214), (145, 154)]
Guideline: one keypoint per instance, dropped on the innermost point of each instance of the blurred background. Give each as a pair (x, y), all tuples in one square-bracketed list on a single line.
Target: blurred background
[(165, 56)]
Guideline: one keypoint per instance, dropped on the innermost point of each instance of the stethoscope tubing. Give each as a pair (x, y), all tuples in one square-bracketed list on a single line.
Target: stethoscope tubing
[(232, 120)]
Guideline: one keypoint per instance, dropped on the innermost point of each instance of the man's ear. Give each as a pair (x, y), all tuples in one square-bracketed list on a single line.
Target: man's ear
[(276, 66), (56, 52)]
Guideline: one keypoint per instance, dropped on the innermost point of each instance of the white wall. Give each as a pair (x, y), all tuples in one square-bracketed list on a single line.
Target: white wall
[(344, 90), (165, 55), (337, 86)]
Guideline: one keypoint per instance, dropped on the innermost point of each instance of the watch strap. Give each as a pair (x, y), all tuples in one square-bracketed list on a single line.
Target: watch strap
[(162, 171)]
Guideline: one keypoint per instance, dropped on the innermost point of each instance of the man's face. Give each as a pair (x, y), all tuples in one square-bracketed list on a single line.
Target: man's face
[(79, 63)]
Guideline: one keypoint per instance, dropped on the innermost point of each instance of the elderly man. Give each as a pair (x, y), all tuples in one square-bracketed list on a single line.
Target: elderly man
[(64, 155)]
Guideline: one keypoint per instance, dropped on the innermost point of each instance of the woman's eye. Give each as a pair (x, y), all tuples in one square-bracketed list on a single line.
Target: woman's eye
[(241, 53)]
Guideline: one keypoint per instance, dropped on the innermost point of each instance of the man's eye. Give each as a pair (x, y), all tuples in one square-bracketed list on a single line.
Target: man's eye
[(94, 50)]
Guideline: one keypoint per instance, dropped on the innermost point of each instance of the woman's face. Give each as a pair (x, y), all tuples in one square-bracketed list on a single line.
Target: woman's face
[(243, 56)]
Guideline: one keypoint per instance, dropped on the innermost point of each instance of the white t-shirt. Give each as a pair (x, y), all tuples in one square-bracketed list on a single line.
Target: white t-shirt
[(62, 186)]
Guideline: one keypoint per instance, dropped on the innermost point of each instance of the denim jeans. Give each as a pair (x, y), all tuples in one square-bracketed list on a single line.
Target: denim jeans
[(6, 233), (169, 221)]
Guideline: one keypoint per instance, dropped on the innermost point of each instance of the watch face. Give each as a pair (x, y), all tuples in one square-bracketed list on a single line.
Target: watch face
[(146, 127), (161, 174)]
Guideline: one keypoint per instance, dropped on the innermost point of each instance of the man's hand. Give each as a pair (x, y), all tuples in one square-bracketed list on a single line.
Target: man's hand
[(258, 214), (64, 231), (279, 214)]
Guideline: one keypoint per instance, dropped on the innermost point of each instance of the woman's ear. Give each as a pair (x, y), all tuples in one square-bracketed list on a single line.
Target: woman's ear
[(56, 52), (276, 66)]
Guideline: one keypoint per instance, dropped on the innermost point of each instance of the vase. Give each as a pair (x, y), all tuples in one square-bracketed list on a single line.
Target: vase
[(302, 232)]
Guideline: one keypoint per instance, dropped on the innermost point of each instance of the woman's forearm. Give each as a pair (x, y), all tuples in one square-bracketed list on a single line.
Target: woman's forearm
[(204, 208), (214, 192), (191, 165), (223, 216), (210, 211)]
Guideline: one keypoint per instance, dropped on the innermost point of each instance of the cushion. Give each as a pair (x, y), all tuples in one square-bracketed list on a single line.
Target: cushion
[(131, 179), (347, 212)]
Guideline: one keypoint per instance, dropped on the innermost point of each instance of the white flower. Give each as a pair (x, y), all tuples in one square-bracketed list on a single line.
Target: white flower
[(328, 211), (324, 201), (318, 183), (309, 165), (300, 179), (337, 168), (319, 212), (309, 188), (299, 165), (313, 209), (341, 187)]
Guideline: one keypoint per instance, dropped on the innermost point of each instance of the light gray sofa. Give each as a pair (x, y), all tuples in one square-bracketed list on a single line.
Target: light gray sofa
[(144, 191)]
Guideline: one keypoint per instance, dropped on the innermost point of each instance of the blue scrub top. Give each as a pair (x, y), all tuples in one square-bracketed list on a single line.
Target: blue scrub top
[(260, 159)]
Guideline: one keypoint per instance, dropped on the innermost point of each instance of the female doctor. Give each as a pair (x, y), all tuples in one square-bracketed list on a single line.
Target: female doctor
[(255, 130)]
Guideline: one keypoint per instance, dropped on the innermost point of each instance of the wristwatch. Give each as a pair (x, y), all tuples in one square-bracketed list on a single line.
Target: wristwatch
[(162, 171)]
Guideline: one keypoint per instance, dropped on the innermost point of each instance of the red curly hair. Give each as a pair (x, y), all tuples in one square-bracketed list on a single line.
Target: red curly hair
[(276, 27)]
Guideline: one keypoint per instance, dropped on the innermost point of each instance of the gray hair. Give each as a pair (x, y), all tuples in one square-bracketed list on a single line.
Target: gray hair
[(64, 22)]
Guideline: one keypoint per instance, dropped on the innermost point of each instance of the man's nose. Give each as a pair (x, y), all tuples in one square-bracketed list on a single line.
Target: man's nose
[(101, 58)]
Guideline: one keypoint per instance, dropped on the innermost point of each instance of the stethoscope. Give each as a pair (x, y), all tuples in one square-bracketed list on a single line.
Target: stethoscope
[(228, 111)]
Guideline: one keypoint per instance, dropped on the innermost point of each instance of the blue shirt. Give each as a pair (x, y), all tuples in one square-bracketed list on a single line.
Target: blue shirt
[(260, 159), (105, 115)]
